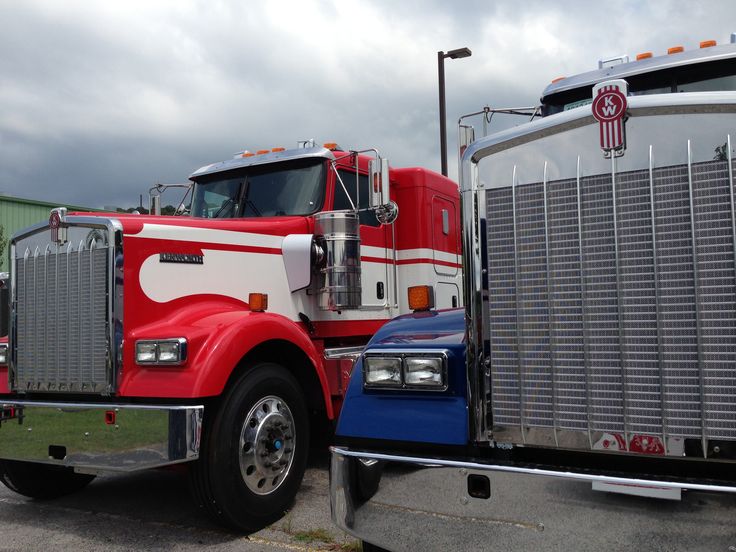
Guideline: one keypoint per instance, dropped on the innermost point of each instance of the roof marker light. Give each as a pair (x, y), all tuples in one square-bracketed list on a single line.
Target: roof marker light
[(261, 152), (675, 50), (330, 145), (557, 79), (275, 150), (708, 43), (643, 55)]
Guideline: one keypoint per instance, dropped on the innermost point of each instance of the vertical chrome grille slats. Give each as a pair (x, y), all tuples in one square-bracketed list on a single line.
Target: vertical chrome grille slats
[(62, 324), (615, 318)]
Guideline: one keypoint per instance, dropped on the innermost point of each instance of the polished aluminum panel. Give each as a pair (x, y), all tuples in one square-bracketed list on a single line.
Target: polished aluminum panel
[(409, 503), (105, 437), (66, 308), (605, 290), (338, 233)]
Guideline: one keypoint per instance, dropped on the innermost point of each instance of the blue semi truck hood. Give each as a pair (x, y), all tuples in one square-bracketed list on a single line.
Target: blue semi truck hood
[(393, 415)]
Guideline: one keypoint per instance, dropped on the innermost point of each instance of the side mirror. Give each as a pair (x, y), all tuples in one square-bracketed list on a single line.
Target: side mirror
[(378, 175)]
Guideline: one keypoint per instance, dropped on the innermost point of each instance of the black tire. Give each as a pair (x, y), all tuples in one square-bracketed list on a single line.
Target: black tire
[(41, 480), (368, 547), (254, 450)]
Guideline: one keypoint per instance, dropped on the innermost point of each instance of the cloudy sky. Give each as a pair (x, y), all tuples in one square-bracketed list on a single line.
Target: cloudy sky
[(99, 100)]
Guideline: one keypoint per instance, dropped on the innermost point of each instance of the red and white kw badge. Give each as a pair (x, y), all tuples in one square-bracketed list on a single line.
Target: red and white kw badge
[(609, 109)]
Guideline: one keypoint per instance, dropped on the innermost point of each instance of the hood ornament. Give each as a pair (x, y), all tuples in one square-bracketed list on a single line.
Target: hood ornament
[(56, 224)]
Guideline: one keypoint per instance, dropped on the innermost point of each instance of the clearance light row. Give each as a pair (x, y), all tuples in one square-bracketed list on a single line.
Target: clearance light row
[(246, 153), (676, 49), (670, 51), (419, 370)]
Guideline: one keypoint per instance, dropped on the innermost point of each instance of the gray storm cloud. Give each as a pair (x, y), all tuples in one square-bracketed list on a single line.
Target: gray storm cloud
[(100, 100)]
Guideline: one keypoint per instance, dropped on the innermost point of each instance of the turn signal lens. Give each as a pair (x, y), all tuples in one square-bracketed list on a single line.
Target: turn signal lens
[(675, 50), (258, 302), (708, 43), (643, 55), (382, 371), (421, 298)]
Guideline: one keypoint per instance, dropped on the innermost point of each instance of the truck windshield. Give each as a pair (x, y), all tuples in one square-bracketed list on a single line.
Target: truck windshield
[(291, 188), (703, 77)]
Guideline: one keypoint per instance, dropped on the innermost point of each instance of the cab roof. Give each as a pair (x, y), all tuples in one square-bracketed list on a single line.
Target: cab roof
[(649, 65)]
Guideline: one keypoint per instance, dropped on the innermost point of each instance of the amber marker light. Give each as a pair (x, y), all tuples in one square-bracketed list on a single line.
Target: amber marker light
[(249, 154), (258, 302), (708, 43), (330, 145), (261, 152), (421, 298), (675, 50), (643, 55), (276, 150), (558, 79)]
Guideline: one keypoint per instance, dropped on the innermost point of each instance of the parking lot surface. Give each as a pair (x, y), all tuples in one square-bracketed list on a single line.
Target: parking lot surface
[(152, 510)]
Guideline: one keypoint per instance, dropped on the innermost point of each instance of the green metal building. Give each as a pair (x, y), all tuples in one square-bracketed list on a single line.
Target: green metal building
[(17, 213)]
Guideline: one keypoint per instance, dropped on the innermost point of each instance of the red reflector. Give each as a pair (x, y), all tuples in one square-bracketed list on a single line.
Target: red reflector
[(110, 417)]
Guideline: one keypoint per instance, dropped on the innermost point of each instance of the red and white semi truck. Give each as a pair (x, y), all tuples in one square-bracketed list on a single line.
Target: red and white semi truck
[(223, 339)]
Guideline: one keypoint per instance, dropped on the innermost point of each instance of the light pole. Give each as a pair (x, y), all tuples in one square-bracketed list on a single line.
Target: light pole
[(452, 54)]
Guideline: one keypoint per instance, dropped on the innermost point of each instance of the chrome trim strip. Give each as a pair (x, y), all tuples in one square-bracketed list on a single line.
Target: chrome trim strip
[(619, 303), (519, 328), (347, 353), (655, 265), (438, 463), (551, 308), (583, 305), (698, 305)]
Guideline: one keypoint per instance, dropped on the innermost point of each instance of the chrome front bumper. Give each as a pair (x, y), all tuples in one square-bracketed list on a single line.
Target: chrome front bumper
[(413, 503), (99, 437)]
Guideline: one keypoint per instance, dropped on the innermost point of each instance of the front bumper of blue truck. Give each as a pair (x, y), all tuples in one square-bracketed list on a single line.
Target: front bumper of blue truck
[(409, 503)]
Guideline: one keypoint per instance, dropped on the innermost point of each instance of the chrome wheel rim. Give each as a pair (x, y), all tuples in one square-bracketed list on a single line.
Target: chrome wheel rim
[(267, 443)]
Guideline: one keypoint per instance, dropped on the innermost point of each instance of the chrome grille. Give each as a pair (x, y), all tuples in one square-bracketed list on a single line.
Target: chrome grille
[(612, 303), (62, 318)]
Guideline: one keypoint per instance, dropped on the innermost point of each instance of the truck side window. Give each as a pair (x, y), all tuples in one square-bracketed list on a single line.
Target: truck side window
[(367, 217)]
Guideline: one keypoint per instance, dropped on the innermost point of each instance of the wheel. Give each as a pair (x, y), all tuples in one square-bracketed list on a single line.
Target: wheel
[(368, 547), (254, 450), (41, 480)]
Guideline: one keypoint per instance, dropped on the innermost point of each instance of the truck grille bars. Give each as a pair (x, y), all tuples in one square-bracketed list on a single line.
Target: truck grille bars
[(613, 308), (62, 305)]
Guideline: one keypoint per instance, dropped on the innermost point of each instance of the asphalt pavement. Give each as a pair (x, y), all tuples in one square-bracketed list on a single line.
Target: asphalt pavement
[(152, 510)]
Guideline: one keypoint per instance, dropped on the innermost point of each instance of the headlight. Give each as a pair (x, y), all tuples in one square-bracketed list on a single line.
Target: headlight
[(3, 354), (388, 369), (381, 371), (423, 372), (161, 351)]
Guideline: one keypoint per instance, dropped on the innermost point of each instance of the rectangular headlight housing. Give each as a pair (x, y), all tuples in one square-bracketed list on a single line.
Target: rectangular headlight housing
[(406, 369), (423, 372), (166, 352), (3, 355), (380, 371)]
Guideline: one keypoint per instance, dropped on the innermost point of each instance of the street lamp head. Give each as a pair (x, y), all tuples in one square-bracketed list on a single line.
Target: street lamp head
[(459, 53)]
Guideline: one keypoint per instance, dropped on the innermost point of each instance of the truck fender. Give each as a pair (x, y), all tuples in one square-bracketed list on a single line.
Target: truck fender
[(223, 349)]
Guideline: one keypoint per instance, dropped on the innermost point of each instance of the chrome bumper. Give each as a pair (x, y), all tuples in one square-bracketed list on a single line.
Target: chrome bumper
[(412, 503), (99, 437)]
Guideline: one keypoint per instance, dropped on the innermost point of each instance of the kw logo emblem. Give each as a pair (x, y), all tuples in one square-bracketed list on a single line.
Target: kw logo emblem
[(609, 109)]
